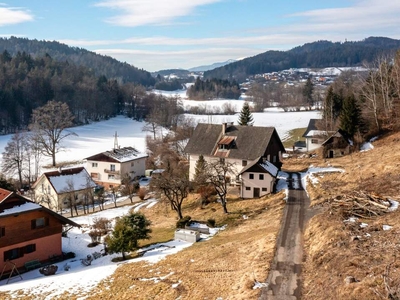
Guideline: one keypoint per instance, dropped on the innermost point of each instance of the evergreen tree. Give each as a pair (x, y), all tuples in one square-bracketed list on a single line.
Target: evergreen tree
[(308, 92), (128, 230), (200, 171), (350, 118), (245, 117)]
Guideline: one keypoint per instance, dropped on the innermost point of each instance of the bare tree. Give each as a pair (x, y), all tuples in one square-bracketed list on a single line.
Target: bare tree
[(129, 187), (219, 175), (49, 124), (174, 184), (15, 156)]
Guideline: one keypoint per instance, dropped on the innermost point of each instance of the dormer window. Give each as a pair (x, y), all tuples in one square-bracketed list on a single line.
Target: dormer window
[(226, 143)]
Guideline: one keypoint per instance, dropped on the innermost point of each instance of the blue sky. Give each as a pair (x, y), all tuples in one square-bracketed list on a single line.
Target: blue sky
[(163, 34)]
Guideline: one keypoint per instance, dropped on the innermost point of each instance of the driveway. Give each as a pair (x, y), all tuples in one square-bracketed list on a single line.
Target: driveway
[(284, 279)]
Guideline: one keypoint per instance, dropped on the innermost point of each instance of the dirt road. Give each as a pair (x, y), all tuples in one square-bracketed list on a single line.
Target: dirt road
[(284, 279)]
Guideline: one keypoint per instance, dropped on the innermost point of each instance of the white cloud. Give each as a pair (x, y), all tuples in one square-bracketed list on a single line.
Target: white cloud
[(14, 15), (150, 12)]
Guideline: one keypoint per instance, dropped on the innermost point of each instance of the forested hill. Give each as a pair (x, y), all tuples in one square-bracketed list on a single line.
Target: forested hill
[(99, 64), (318, 54)]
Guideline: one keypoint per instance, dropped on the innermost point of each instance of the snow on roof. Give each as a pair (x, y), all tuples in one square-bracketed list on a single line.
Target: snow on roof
[(20, 208), (125, 154), (64, 183), (270, 168)]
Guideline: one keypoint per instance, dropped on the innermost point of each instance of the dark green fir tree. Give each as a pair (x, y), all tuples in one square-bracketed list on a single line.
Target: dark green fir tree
[(245, 117), (350, 118)]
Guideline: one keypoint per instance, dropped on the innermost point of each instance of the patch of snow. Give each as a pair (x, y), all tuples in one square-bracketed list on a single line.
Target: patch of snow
[(394, 205), (363, 225), (387, 227), (366, 147), (260, 285), (351, 220), (20, 208)]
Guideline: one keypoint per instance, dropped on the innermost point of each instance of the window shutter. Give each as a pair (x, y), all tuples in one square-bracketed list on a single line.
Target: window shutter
[(33, 224)]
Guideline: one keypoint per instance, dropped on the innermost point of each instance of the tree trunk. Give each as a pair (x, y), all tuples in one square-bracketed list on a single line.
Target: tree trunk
[(224, 206)]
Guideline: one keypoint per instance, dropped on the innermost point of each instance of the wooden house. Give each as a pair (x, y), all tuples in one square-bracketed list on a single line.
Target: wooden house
[(339, 144), (29, 232)]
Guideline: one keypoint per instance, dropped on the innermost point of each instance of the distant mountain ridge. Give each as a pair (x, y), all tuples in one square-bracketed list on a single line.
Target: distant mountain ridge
[(99, 64), (318, 54), (212, 66)]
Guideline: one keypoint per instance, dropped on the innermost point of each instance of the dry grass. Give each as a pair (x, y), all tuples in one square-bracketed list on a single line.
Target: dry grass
[(333, 252), (225, 266)]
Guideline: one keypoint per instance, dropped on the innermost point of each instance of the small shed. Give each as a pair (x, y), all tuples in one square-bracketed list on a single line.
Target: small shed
[(339, 144), (191, 236)]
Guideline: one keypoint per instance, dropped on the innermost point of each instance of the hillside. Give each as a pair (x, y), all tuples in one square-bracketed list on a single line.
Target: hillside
[(318, 54), (100, 64)]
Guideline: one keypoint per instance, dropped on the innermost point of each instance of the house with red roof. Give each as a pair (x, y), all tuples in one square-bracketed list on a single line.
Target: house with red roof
[(59, 189), (30, 234)]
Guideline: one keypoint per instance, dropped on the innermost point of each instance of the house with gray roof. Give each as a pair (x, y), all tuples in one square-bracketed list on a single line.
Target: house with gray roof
[(109, 168), (314, 136), (239, 145), (258, 179)]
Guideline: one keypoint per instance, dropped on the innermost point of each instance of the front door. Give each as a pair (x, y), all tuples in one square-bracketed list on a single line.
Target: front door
[(256, 193)]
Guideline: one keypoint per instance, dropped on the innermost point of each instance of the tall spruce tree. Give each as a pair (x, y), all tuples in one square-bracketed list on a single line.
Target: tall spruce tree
[(245, 117), (308, 90), (350, 118), (200, 171)]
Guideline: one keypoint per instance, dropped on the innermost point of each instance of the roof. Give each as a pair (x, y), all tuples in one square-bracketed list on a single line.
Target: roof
[(261, 167), (67, 180), (4, 194), (313, 131), (338, 134), (250, 142), (17, 204), (119, 155)]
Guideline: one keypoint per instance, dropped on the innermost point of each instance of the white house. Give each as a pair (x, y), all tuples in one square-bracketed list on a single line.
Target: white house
[(110, 167), (315, 137), (258, 179), (54, 189)]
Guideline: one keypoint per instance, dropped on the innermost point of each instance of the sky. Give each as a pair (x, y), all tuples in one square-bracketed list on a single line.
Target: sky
[(165, 34)]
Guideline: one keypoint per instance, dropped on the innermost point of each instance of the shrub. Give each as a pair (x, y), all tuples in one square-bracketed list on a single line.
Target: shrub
[(183, 222), (211, 222), (142, 193), (102, 225)]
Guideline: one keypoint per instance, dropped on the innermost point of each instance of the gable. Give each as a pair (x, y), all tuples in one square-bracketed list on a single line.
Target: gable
[(250, 142)]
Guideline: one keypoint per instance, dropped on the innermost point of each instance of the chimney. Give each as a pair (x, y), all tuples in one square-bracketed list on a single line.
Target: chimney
[(224, 126)]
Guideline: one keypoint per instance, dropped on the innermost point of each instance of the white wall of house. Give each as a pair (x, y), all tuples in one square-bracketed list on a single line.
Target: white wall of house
[(238, 165), (313, 143), (113, 172), (45, 195), (251, 180)]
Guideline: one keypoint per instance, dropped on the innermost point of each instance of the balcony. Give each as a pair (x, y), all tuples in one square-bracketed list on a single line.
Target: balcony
[(112, 172)]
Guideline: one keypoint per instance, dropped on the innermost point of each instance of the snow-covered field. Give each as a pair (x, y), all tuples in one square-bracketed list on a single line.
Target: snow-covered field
[(98, 137)]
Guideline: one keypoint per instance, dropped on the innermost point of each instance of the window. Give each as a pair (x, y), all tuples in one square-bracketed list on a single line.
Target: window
[(94, 165), (94, 175), (132, 164), (110, 176), (112, 167), (264, 189), (251, 176), (30, 248), (244, 163), (274, 159), (261, 176), (39, 222), (13, 254), (248, 188), (2, 231), (314, 141), (48, 189), (222, 160), (19, 252), (43, 188)]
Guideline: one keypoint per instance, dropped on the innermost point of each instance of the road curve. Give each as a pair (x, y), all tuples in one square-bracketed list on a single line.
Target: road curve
[(284, 278)]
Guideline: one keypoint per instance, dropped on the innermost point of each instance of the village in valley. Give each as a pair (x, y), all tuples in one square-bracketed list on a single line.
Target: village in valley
[(199, 150)]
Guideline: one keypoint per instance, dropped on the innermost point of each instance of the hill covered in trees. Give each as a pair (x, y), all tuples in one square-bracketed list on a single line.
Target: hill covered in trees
[(213, 89), (318, 54), (100, 64)]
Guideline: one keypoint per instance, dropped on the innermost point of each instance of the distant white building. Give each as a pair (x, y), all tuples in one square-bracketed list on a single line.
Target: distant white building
[(110, 167), (314, 137)]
